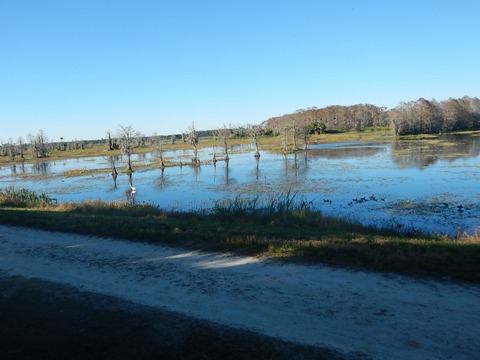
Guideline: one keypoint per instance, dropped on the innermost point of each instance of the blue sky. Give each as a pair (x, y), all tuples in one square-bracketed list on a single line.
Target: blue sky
[(76, 69)]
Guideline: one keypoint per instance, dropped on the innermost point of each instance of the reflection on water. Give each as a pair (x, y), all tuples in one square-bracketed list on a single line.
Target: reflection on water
[(131, 191), (424, 153), (405, 184), (406, 153), (221, 173), (257, 167), (346, 150), (162, 182), (40, 168)]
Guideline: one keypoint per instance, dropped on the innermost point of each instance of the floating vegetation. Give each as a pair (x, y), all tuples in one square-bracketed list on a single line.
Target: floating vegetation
[(431, 207), (85, 172)]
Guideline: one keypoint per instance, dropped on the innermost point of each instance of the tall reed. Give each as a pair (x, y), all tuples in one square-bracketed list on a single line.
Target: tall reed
[(11, 197), (271, 208)]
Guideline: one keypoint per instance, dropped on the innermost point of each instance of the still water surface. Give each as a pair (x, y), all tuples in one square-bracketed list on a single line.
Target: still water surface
[(430, 186)]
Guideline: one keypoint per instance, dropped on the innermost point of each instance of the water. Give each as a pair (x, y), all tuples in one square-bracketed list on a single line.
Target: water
[(430, 186)]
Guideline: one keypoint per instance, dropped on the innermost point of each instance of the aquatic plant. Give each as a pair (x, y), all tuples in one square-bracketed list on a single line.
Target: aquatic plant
[(11, 197), (271, 208)]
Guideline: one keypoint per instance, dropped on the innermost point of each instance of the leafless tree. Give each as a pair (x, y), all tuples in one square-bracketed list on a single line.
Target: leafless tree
[(284, 132), (38, 144), (10, 149), (112, 142), (344, 118), (141, 139), (224, 136), (303, 132), (254, 131), (157, 143), (294, 134), (454, 115), (429, 116), (127, 136), (238, 131), (287, 129), (112, 160), (76, 144), (62, 144), (20, 145), (191, 136)]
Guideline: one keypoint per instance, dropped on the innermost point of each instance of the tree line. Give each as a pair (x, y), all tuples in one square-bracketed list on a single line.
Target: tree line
[(408, 118), (431, 117), (39, 146)]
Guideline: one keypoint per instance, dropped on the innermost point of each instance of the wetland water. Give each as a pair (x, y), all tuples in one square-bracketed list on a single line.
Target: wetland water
[(426, 185)]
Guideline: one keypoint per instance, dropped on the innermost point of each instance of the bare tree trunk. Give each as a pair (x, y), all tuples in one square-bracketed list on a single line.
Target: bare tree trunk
[(214, 157), (193, 139), (257, 152), (226, 151), (224, 135), (294, 135)]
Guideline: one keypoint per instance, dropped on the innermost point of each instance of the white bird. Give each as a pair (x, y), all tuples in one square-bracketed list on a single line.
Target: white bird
[(133, 189)]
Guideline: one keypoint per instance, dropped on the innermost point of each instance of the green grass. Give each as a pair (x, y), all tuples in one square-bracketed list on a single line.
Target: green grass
[(284, 228)]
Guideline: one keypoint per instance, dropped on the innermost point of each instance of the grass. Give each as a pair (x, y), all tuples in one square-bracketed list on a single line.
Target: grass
[(284, 228), (24, 198), (84, 172)]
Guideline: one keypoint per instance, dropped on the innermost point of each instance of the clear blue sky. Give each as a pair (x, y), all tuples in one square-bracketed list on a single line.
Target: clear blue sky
[(77, 68)]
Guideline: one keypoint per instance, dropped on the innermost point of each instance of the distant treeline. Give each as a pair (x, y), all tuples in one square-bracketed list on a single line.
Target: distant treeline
[(415, 117), (408, 118)]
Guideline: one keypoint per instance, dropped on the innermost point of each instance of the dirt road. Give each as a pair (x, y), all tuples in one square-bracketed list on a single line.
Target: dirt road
[(385, 317)]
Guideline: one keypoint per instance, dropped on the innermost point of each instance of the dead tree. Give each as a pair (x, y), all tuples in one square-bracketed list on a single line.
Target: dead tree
[(112, 143), (192, 137), (112, 160), (38, 144), (254, 132), (224, 135), (157, 143), (20, 146), (127, 136), (11, 149)]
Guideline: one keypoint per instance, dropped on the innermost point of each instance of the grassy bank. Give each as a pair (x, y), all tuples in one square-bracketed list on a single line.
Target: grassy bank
[(281, 229)]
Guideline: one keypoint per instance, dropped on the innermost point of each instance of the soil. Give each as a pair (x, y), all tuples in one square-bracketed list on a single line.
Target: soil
[(44, 320), (73, 296)]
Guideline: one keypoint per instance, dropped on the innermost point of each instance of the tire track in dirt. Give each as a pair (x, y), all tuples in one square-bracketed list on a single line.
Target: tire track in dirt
[(383, 316)]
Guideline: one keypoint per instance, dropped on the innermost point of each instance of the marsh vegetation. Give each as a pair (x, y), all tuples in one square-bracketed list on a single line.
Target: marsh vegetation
[(424, 186), (285, 228), (359, 199)]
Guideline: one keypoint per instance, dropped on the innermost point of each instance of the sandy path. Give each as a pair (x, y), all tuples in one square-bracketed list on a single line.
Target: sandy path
[(386, 317)]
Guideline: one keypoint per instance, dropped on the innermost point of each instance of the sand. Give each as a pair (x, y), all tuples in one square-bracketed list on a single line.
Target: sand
[(382, 316)]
